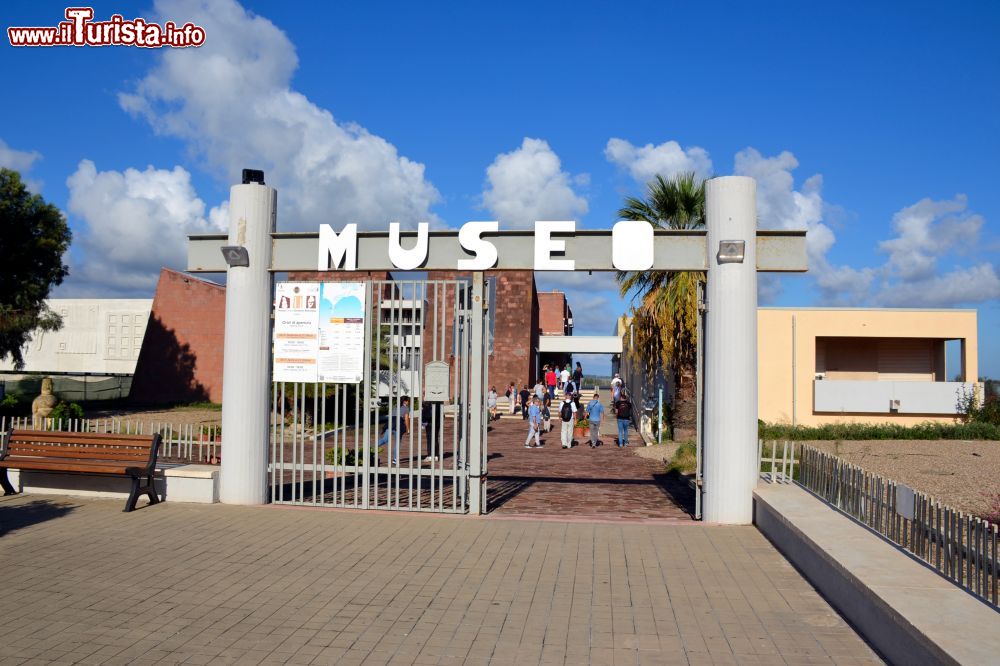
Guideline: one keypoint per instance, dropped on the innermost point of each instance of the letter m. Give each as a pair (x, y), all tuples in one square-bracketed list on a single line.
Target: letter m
[(334, 248)]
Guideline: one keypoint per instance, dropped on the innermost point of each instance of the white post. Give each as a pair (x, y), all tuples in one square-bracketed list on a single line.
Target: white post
[(730, 388), (246, 374)]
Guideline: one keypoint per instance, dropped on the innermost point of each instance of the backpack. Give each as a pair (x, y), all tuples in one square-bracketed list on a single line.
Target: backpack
[(623, 409), (566, 411)]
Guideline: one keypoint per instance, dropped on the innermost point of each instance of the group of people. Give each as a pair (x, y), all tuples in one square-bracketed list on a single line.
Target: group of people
[(538, 414), (535, 405)]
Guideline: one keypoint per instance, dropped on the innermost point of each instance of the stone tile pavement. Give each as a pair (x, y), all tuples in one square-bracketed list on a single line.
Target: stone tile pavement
[(83, 582)]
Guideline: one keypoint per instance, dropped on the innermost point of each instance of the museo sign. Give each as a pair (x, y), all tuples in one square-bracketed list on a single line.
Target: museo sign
[(631, 247)]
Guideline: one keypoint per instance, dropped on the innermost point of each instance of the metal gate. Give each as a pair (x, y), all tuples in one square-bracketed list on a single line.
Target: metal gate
[(378, 444)]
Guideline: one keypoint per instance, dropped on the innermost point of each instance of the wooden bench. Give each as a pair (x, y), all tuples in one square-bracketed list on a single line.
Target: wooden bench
[(132, 456)]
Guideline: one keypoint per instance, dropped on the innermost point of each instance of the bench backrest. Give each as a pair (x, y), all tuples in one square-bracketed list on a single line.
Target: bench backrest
[(138, 449)]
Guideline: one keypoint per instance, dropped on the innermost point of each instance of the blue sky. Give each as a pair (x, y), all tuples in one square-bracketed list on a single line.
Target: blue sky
[(874, 125)]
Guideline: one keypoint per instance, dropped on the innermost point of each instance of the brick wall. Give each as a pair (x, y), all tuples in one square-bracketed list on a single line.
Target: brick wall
[(515, 341), (552, 312), (181, 356)]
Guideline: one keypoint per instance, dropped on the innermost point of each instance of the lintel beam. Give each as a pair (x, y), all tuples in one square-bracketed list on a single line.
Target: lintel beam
[(777, 251)]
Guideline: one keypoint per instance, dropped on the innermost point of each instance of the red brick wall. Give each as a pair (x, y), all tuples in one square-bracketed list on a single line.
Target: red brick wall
[(181, 355), (552, 312), (515, 341)]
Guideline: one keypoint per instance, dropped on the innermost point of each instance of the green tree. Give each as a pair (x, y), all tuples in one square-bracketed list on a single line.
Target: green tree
[(665, 303), (34, 237)]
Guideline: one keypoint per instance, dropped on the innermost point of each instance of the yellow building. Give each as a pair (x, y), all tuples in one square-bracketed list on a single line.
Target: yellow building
[(836, 365)]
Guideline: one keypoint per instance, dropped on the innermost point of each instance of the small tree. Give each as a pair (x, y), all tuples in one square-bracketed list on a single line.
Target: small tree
[(34, 237)]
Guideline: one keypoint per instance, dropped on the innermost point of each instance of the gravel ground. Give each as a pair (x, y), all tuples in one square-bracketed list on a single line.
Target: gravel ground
[(962, 474), (177, 416), (661, 452)]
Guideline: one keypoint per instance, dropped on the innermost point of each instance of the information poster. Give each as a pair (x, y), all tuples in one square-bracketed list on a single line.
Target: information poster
[(342, 332), (296, 331)]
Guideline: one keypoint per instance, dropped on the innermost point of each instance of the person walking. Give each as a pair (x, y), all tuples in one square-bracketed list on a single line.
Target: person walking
[(539, 388), (398, 421), (563, 377), (491, 403), (430, 416), (578, 376), (551, 379), (534, 424), (511, 397), (525, 395), (623, 412), (616, 387), (567, 412), (595, 413), (546, 413)]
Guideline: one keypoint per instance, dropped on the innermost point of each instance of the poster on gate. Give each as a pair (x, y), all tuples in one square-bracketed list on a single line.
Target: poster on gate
[(296, 332), (342, 312)]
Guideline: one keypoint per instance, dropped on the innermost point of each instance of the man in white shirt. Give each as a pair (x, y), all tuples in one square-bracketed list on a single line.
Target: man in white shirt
[(616, 387), (567, 412), (563, 377)]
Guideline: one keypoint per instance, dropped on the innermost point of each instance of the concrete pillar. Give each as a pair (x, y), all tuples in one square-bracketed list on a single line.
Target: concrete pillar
[(246, 374), (730, 387)]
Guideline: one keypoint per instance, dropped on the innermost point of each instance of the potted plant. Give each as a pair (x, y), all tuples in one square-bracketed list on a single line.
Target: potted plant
[(581, 428)]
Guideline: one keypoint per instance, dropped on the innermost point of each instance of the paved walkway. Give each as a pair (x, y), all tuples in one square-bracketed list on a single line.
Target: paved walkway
[(603, 483), (83, 582)]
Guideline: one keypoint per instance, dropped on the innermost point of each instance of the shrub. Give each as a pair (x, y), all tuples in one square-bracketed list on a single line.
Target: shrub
[(65, 411), (685, 459), (14, 404), (977, 409), (855, 431)]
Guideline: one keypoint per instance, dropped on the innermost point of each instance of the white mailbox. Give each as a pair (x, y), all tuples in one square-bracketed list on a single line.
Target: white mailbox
[(436, 380)]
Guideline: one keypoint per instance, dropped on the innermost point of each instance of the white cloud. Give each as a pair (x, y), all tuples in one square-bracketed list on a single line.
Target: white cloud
[(136, 222), (926, 230), (232, 101), (667, 159), (20, 161), (975, 284), (528, 184)]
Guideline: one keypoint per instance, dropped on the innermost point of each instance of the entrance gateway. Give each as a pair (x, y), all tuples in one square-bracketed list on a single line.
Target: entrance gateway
[(730, 250)]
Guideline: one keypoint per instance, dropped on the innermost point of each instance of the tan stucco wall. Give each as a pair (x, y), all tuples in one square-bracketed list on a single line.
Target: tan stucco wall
[(775, 354)]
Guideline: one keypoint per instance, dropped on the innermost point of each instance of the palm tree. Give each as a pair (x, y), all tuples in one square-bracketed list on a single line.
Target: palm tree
[(665, 303)]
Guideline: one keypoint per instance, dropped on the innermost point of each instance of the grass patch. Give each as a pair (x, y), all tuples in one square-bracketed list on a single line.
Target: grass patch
[(685, 459), (863, 431)]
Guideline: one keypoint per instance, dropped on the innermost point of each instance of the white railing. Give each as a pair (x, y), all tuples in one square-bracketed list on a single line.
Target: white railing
[(776, 461)]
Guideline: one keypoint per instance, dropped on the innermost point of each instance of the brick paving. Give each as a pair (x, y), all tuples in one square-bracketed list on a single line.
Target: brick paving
[(604, 483), (184, 583)]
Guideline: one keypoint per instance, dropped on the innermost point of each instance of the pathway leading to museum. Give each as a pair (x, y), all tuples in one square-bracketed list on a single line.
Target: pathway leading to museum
[(212, 584), (602, 483)]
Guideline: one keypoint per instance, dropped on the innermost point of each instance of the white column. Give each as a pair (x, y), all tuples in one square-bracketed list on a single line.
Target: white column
[(246, 375), (730, 388)]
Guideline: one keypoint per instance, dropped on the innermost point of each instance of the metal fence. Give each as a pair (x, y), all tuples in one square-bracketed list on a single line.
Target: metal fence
[(185, 442), (372, 456), (960, 546)]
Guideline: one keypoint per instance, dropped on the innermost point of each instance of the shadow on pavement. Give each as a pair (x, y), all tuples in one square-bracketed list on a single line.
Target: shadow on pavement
[(17, 515)]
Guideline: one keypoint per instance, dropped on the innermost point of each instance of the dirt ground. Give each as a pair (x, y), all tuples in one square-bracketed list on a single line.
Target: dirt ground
[(176, 416), (962, 474)]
